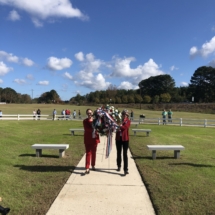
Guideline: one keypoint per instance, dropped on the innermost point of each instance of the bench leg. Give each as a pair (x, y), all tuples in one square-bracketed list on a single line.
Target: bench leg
[(61, 153), (38, 152), (135, 133), (176, 154), (147, 133), (153, 154), (72, 132)]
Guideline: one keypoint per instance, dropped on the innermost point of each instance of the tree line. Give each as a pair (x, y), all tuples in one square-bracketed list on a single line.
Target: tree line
[(155, 89)]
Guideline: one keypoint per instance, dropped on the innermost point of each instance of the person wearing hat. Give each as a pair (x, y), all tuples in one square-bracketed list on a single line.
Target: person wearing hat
[(122, 142)]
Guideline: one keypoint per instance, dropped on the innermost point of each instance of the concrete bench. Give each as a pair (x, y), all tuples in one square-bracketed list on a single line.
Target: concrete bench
[(72, 130), (60, 147), (141, 130), (176, 148)]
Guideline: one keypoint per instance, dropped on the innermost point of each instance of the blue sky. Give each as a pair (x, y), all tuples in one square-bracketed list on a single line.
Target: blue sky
[(80, 46)]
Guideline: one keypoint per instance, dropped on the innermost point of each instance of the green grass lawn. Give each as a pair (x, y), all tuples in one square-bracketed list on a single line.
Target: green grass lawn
[(178, 186), (29, 185)]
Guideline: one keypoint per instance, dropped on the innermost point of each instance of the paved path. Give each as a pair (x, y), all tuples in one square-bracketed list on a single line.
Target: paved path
[(104, 191)]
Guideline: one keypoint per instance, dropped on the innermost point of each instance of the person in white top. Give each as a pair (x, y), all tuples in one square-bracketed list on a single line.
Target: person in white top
[(34, 114)]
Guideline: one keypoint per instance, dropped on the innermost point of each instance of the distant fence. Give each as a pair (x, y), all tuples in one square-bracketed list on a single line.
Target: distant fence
[(178, 121), (36, 117), (158, 121)]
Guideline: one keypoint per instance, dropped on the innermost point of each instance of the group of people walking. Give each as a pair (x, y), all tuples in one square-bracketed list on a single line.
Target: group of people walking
[(165, 114), (91, 142)]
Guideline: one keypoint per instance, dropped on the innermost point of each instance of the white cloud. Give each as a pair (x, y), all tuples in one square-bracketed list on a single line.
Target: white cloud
[(19, 81), (45, 83), (207, 49), (4, 69), (126, 85), (30, 77), (28, 62), (9, 57), (184, 84), (45, 9), (58, 64), (172, 68), (122, 69), (193, 51), (91, 64), (79, 56), (13, 15), (37, 22), (67, 75), (1, 81), (96, 82)]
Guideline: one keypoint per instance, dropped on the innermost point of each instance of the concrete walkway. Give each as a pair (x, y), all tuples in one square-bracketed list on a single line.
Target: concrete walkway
[(104, 191)]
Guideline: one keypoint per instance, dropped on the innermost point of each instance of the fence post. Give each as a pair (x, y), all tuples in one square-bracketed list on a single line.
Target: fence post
[(205, 125), (180, 121), (159, 121)]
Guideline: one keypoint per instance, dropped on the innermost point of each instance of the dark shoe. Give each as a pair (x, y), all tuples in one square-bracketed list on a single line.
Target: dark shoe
[(118, 169), (87, 172), (126, 172), (93, 168)]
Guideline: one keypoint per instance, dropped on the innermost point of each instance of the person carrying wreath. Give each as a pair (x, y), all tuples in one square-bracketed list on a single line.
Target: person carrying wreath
[(91, 140), (122, 142)]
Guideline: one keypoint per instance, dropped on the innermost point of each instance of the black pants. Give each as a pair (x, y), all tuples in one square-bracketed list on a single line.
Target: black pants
[(119, 146)]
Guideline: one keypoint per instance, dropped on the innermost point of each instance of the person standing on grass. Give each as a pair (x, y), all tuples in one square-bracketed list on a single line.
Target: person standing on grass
[(122, 141), (132, 115), (164, 113), (38, 113), (170, 115), (79, 114), (91, 141), (34, 114), (0, 114), (74, 114), (54, 114)]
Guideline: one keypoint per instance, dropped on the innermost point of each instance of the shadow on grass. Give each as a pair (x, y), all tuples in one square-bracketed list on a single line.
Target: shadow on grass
[(150, 158), (46, 168), (33, 155), (192, 164)]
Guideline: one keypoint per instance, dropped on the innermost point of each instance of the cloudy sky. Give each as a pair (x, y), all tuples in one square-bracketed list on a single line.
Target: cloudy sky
[(79, 46)]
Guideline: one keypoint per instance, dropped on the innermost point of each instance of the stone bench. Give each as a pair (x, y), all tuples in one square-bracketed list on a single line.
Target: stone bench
[(72, 130), (141, 130), (176, 148), (60, 147)]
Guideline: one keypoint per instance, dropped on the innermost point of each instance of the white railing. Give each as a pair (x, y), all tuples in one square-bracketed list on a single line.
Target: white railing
[(178, 121), (158, 121), (32, 117)]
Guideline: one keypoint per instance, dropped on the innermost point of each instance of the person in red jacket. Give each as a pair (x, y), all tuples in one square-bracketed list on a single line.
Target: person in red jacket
[(122, 141), (91, 140)]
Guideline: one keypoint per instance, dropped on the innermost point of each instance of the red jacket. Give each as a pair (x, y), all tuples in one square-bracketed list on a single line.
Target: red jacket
[(124, 129), (88, 130)]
